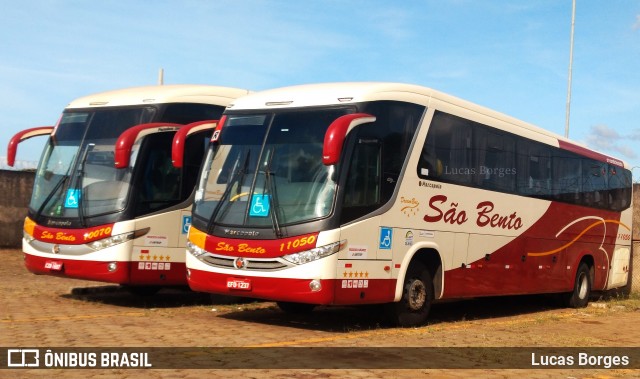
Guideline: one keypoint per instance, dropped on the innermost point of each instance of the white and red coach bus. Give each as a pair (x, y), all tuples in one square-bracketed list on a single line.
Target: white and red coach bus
[(361, 193), (114, 187)]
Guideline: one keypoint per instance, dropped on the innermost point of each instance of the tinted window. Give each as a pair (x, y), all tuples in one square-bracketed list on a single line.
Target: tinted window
[(464, 152)]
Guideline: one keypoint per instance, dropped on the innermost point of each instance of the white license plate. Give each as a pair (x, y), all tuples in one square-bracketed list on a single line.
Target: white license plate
[(239, 284), (53, 265)]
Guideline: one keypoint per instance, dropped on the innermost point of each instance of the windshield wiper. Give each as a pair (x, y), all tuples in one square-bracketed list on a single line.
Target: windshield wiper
[(237, 175), (272, 190), (52, 193), (79, 178)]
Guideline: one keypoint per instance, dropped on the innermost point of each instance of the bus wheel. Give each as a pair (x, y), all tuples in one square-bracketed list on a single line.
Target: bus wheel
[(417, 297), (295, 308), (579, 297)]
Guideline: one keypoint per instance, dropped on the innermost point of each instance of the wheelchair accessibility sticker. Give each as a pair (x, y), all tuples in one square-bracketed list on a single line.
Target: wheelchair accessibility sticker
[(259, 206), (71, 201), (386, 236), (186, 223)]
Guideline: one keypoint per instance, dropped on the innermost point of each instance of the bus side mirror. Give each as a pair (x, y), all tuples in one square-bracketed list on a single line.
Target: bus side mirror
[(12, 148), (180, 139), (129, 137), (337, 132)]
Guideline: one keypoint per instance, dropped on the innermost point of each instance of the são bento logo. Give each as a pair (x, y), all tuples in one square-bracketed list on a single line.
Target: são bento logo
[(486, 217)]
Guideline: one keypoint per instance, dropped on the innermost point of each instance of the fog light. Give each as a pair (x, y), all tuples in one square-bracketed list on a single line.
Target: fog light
[(315, 285), (112, 266), (188, 273)]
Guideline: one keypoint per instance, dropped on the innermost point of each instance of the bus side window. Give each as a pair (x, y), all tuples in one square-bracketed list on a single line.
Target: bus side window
[(567, 183), (447, 154), (594, 184), (496, 160), (193, 155), (534, 169), (619, 187), (157, 182), (363, 181)]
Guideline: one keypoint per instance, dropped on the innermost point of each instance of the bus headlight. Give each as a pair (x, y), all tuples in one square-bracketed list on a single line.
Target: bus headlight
[(111, 241), (27, 237), (315, 254), (195, 250), (117, 239)]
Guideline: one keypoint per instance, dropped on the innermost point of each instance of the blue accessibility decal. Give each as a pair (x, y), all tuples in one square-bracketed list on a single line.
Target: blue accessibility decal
[(72, 199), (186, 223), (386, 237), (259, 206)]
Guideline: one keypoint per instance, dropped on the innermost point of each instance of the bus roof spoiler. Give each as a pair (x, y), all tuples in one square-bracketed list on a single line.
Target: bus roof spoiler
[(180, 138), (12, 148), (129, 137), (337, 132)]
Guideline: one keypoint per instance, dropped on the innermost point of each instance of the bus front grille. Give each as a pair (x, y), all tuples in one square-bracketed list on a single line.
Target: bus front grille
[(250, 264)]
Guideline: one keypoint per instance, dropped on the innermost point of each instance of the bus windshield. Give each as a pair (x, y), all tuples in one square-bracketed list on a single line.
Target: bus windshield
[(76, 176), (267, 170)]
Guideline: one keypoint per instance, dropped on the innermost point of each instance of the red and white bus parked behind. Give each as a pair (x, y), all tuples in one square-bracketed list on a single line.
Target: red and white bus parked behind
[(113, 189), (362, 193)]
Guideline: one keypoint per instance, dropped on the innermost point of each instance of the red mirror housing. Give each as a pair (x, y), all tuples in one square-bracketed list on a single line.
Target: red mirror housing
[(180, 138), (12, 148), (125, 142), (337, 132)]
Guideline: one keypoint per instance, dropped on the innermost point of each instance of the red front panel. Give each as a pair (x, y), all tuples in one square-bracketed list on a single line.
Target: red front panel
[(238, 247), (71, 236), (275, 289), (334, 291), (131, 273), (75, 269)]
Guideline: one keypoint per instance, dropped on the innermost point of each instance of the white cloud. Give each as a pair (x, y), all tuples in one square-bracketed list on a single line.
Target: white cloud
[(636, 25), (603, 131), (607, 139)]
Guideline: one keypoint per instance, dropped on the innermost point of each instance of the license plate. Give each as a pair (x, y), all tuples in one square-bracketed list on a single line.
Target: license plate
[(53, 265), (239, 284)]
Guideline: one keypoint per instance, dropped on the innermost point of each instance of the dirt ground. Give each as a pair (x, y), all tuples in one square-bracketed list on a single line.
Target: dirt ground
[(50, 312)]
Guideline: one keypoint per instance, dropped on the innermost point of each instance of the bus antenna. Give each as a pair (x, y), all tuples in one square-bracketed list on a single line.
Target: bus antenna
[(161, 77)]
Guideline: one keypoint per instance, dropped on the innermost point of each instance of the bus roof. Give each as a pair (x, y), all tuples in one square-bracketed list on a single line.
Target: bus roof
[(354, 92), (178, 93)]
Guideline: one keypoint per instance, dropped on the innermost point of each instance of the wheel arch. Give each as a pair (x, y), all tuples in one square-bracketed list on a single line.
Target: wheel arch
[(590, 262), (430, 256)]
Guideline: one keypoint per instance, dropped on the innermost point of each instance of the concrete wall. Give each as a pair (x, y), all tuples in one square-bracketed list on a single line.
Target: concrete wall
[(635, 252), (15, 193)]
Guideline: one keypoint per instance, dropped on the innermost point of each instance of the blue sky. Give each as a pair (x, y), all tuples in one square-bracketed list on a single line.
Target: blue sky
[(512, 56)]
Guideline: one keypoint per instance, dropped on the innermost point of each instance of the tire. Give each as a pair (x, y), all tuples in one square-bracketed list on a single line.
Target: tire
[(295, 308), (417, 297), (579, 297)]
